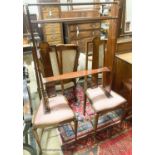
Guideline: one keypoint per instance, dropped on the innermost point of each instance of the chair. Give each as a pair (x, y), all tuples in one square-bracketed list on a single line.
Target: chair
[(62, 58), (102, 98), (54, 110)]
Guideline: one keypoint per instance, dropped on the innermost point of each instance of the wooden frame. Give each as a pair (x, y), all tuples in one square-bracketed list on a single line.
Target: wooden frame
[(111, 46), (74, 7)]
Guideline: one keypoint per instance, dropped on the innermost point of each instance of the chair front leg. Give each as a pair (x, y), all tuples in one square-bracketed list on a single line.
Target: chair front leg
[(96, 123), (84, 104), (75, 128), (124, 108), (34, 130)]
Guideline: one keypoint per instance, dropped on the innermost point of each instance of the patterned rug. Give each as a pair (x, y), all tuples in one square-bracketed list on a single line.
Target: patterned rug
[(85, 127)]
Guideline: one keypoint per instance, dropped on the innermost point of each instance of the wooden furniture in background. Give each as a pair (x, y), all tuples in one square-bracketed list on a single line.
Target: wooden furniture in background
[(80, 33), (52, 32), (122, 81), (123, 69), (127, 93), (124, 44)]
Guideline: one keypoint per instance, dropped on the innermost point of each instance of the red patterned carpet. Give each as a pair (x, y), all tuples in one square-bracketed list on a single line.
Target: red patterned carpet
[(113, 141), (119, 144)]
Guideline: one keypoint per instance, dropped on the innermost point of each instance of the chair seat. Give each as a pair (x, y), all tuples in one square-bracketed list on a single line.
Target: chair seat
[(60, 112), (101, 102)]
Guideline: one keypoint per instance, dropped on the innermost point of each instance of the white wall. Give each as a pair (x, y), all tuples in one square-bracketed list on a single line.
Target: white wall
[(129, 12), (33, 9)]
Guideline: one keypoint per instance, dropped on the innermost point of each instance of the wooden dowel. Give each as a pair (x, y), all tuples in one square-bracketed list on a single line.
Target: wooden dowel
[(76, 20)]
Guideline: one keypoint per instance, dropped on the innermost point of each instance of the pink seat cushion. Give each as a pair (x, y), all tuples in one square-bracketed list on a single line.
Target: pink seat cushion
[(60, 112), (101, 102)]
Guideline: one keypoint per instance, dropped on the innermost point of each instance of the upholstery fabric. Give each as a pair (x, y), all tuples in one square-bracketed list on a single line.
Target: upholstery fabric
[(101, 102), (101, 55), (68, 60), (60, 111), (54, 63), (55, 68)]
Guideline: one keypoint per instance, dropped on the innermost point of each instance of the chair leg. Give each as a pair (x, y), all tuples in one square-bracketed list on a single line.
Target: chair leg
[(84, 105), (75, 96), (96, 123), (75, 128), (123, 115), (34, 130), (42, 130)]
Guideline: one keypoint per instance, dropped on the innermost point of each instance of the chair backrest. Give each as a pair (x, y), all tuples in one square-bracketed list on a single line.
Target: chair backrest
[(62, 58), (67, 57), (44, 60), (98, 55), (58, 59)]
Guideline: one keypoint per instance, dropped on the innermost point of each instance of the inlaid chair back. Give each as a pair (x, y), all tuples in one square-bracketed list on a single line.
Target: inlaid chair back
[(98, 56), (44, 59), (67, 58), (62, 58), (67, 55)]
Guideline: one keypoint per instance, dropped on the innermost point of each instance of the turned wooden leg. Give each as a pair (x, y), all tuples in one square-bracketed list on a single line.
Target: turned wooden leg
[(96, 123), (75, 128), (124, 114), (84, 104), (34, 130), (75, 96)]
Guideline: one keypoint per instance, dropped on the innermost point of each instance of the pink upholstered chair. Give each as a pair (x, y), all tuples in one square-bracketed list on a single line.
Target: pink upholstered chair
[(54, 110), (102, 98)]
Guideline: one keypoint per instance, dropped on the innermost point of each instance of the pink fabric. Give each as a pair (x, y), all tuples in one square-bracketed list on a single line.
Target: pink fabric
[(60, 111), (101, 102)]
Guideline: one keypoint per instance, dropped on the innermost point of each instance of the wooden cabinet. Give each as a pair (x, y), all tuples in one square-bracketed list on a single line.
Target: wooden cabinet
[(80, 33), (123, 70), (52, 32), (124, 44)]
